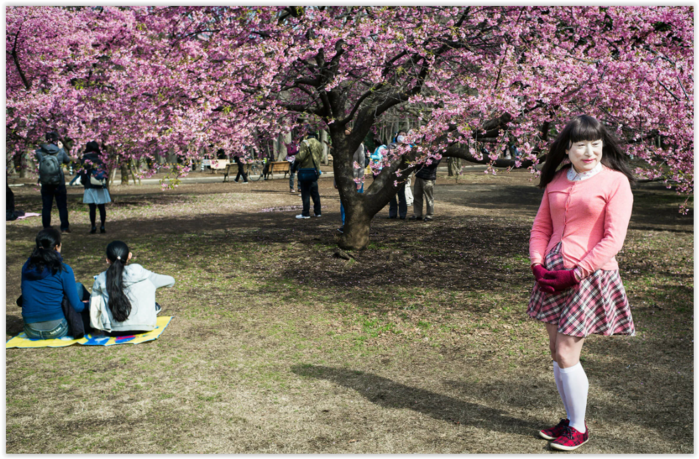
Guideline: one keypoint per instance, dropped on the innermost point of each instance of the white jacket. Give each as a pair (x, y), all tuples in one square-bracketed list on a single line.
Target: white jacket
[(139, 286)]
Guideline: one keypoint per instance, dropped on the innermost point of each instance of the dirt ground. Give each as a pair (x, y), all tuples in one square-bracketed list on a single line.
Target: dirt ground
[(418, 344)]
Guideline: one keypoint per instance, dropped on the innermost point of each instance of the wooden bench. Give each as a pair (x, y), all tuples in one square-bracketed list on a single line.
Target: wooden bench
[(279, 166), (218, 164)]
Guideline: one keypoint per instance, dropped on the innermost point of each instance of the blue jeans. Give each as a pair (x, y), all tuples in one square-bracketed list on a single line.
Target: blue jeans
[(342, 208), (398, 206), (59, 331)]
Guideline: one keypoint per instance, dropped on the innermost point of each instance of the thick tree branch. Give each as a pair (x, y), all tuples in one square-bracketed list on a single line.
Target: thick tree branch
[(27, 85)]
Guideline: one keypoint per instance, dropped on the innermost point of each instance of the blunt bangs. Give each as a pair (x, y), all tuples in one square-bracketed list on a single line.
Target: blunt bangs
[(586, 128)]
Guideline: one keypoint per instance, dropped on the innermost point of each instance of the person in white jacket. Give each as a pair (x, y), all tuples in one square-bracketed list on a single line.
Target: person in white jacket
[(128, 292)]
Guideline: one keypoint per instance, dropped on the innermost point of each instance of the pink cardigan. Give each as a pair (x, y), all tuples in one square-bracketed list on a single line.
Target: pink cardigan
[(590, 217)]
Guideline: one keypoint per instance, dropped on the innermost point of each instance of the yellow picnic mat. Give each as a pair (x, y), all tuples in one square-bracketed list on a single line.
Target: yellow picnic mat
[(21, 340)]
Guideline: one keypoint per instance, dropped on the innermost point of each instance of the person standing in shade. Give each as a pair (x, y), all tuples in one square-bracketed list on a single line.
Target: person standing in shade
[(376, 159), (307, 160), (241, 170), (358, 164), (291, 150), (51, 157), (398, 207), (425, 179), (579, 228), (96, 194)]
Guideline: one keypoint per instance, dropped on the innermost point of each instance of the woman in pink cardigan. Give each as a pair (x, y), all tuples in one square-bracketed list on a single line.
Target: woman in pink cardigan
[(580, 227)]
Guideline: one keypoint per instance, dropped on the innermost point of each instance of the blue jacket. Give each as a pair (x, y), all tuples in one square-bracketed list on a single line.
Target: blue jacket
[(42, 293)]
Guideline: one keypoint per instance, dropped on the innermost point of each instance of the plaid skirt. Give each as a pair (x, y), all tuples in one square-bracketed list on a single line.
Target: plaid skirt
[(597, 305)]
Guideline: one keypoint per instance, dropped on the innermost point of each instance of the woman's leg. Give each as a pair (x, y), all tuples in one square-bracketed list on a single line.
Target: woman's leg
[(573, 378), (552, 331), (103, 213), (93, 214)]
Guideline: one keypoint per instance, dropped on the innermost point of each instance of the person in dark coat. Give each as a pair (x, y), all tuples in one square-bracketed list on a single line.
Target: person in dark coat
[(55, 185), (241, 169)]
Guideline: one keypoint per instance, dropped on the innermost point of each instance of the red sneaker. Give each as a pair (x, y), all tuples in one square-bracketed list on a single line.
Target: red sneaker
[(571, 439), (554, 432)]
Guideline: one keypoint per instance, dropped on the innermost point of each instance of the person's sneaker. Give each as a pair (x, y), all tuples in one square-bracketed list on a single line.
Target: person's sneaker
[(290, 191), (428, 219), (317, 215), (67, 230), (102, 230), (303, 216), (571, 439), (158, 309), (245, 183), (414, 217), (554, 432), (93, 230), (341, 230)]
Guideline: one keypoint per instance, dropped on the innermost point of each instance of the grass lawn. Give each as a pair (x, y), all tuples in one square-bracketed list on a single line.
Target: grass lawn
[(419, 344)]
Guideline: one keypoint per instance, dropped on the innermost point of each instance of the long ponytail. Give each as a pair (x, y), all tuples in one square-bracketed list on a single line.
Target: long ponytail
[(119, 304), (44, 254)]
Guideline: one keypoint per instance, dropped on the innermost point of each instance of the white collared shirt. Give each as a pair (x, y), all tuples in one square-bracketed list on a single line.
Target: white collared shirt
[(577, 177)]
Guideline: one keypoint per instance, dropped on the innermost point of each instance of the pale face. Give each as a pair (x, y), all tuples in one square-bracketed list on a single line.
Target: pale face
[(585, 154)]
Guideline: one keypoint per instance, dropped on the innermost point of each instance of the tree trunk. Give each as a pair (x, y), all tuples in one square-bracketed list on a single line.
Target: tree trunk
[(24, 163), (324, 142), (124, 167), (355, 235)]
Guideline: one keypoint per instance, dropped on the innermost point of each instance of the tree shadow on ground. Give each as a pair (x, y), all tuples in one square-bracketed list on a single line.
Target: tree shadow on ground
[(655, 208), (390, 394)]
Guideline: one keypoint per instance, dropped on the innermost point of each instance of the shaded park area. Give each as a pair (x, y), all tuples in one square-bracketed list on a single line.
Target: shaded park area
[(418, 344)]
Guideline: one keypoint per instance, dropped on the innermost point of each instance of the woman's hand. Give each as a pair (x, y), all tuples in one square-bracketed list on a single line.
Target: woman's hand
[(560, 280), (539, 273)]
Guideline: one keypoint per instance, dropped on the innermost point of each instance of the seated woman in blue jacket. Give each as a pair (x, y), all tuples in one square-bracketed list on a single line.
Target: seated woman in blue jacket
[(45, 281)]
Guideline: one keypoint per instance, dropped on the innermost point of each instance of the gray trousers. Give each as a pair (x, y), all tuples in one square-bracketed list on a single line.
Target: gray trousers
[(423, 188)]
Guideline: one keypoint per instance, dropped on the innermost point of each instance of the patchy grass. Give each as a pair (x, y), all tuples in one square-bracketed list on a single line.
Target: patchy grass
[(420, 344)]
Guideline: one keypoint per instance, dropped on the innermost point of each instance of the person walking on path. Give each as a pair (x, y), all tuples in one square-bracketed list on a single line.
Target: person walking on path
[(96, 194), (357, 173), (241, 169), (425, 180), (51, 157), (307, 160), (579, 228)]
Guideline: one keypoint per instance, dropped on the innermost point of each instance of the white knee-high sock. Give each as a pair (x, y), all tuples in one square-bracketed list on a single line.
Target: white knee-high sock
[(575, 387), (559, 385)]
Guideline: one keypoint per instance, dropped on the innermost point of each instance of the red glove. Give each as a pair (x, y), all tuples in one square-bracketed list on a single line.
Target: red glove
[(559, 280), (539, 273)]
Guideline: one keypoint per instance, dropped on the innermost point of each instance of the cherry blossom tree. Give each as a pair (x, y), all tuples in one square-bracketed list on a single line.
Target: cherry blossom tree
[(474, 79)]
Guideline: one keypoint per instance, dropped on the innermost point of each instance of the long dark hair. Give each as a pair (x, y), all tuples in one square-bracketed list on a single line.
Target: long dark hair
[(44, 254), (584, 127), (119, 304)]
